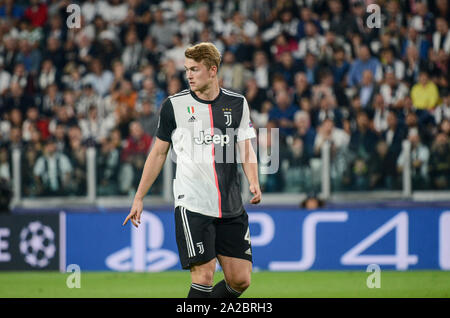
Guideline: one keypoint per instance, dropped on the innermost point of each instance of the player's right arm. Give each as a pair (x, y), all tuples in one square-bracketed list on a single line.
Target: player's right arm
[(155, 160), (152, 168)]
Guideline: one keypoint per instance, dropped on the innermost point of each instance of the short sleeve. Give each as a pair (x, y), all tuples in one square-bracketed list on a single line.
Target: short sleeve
[(245, 130), (166, 121)]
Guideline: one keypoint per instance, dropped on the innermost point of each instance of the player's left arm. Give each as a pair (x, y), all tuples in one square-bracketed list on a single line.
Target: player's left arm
[(250, 166)]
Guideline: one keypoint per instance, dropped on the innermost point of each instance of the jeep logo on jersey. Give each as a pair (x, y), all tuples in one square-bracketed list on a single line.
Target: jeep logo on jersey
[(207, 139)]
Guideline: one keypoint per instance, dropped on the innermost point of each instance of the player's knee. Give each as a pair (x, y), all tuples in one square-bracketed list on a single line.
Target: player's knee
[(203, 277), (240, 283)]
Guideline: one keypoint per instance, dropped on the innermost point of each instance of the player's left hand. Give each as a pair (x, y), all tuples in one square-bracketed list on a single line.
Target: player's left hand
[(256, 191)]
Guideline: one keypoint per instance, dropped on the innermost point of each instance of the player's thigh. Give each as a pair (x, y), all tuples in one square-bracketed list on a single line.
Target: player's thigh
[(237, 271), (234, 250), (203, 273), (233, 237), (195, 236)]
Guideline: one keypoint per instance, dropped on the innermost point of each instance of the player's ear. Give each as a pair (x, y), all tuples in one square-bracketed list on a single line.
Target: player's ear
[(213, 71)]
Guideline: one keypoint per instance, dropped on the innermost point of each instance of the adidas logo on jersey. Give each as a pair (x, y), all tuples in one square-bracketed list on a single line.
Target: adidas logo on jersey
[(192, 119)]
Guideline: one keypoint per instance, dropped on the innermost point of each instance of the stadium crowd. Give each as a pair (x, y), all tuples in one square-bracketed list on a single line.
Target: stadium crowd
[(315, 69)]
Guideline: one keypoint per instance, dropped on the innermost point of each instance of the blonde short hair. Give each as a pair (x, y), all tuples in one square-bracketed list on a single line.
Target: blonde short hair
[(204, 52)]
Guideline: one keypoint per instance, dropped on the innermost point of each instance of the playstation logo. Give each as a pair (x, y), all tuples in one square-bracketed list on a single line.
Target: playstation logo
[(145, 253)]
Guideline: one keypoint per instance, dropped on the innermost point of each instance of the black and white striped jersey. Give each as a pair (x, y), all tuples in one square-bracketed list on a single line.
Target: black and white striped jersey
[(203, 135)]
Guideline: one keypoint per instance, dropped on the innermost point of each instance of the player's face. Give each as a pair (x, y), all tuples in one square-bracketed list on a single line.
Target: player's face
[(198, 75)]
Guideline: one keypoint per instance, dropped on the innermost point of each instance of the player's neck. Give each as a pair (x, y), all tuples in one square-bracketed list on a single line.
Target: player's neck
[(210, 93)]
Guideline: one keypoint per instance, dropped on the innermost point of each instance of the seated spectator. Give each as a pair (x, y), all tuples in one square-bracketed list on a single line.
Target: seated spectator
[(108, 165), (52, 171), (133, 157), (416, 40), (424, 94), (76, 152), (391, 64), (382, 168), (260, 119), (327, 109), (302, 89), (95, 128), (311, 42), (340, 66), (148, 118), (49, 74), (233, 75), (364, 62), (5, 78), (420, 156), (255, 95), (99, 78), (439, 165), (305, 132), (261, 69), (338, 138), (442, 111), (282, 114), (367, 89), (441, 38), (393, 91), (297, 173)]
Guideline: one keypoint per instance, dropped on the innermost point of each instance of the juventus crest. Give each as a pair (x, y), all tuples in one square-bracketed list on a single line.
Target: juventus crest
[(228, 118)]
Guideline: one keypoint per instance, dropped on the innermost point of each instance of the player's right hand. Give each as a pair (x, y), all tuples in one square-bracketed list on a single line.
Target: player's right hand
[(135, 213)]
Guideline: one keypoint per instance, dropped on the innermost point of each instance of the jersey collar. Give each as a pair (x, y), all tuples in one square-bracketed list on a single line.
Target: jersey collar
[(206, 101)]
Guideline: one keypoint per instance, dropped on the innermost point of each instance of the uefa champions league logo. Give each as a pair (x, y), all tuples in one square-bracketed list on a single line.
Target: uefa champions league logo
[(37, 244)]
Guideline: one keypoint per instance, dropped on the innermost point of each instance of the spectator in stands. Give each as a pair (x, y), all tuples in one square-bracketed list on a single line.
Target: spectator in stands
[(133, 157), (305, 132), (148, 118), (367, 89), (37, 13), (99, 78), (339, 66), (311, 42), (419, 155), (441, 38), (162, 30), (364, 62), (287, 67), (393, 91), (391, 64), (108, 165), (440, 162), (132, 52), (52, 171), (442, 111), (255, 95), (338, 138), (297, 173), (76, 152), (282, 114), (49, 74), (381, 168), (232, 74), (17, 99), (327, 109), (424, 94), (5, 78), (416, 40), (302, 89)]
